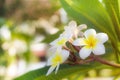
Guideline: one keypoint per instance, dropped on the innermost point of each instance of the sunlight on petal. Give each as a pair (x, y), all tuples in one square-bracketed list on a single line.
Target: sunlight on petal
[(102, 37), (72, 24), (65, 55), (49, 60), (79, 42), (99, 49), (84, 52), (50, 70), (82, 26), (57, 68), (90, 32)]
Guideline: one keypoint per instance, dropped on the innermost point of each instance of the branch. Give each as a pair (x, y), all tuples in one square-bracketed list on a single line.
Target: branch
[(103, 61)]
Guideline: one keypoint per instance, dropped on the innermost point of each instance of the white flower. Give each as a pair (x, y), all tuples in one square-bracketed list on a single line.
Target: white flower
[(56, 59), (91, 43), (72, 30)]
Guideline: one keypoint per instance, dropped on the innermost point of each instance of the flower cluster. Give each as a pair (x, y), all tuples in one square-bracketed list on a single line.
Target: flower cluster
[(88, 42)]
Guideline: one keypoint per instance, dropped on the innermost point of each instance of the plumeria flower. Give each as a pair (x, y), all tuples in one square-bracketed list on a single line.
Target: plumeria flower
[(56, 59), (92, 43), (72, 30)]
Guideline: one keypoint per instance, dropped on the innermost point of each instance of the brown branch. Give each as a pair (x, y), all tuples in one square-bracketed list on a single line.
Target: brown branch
[(94, 58), (64, 47), (103, 61)]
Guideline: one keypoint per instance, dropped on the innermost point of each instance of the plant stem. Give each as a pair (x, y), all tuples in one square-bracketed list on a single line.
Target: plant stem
[(103, 61)]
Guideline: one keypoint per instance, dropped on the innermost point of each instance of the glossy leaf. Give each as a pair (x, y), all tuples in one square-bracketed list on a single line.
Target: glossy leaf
[(94, 13), (64, 71), (112, 8)]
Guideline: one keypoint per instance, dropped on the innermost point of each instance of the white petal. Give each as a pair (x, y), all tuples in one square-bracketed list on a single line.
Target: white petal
[(58, 51), (53, 43), (72, 24), (65, 55), (57, 68), (81, 34), (59, 48), (49, 61), (67, 34), (90, 32), (51, 51), (84, 52), (65, 28), (82, 26), (61, 38), (75, 32), (50, 70), (102, 37), (79, 42), (99, 49)]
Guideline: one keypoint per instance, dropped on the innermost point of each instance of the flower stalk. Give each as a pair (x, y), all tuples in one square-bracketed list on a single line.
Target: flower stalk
[(103, 61)]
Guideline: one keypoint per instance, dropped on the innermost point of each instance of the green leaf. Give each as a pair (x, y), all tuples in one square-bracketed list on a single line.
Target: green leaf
[(64, 71), (112, 8), (94, 13)]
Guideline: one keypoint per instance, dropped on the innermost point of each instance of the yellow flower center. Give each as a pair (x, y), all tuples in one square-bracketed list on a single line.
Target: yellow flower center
[(57, 59), (90, 42), (62, 41)]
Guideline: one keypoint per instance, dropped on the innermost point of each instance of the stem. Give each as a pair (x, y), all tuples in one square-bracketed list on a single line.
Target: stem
[(95, 58), (103, 61), (79, 62)]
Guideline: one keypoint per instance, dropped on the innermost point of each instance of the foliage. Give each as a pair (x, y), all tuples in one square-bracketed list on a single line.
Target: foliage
[(65, 71), (97, 14)]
